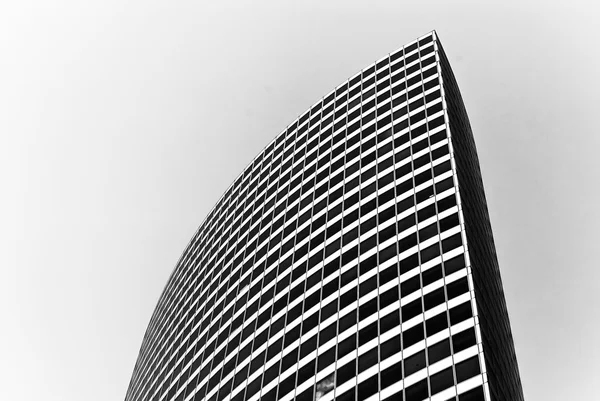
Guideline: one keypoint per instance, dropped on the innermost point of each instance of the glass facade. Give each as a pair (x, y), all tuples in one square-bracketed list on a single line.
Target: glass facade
[(351, 260)]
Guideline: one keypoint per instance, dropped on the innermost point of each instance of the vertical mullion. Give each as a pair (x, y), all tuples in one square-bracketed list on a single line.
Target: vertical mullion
[(273, 396), (301, 161), (311, 192)]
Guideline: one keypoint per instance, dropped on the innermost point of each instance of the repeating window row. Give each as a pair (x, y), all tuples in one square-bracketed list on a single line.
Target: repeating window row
[(257, 286), (432, 70), (346, 299)]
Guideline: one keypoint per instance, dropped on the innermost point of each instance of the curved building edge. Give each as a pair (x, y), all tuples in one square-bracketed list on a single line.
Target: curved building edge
[(499, 372), (249, 166)]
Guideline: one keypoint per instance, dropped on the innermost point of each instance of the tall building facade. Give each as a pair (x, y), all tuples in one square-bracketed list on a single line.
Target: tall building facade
[(353, 259)]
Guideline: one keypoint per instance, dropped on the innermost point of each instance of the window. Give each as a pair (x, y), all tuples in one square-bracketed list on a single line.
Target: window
[(434, 298), (396, 56), (439, 351), (367, 388), (467, 369), (451, 242), (436, 324), (368, 359), (346, 372), (457, 288), (411, 285), (441, 381), (346, 346), (391, 375), (348, 395), (430, 252), (324, 386), (417, 391), (454, 264), (414, 363), (431, 275), (412, 335), (460, 313), (411, 310), (326, 359), (425, 40), (473, 395), (463, 340)]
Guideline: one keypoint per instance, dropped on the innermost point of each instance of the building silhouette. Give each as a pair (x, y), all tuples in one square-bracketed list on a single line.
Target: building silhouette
[(353, 259)]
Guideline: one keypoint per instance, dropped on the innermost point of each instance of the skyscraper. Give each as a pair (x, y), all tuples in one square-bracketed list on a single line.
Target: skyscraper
[(353, 259)]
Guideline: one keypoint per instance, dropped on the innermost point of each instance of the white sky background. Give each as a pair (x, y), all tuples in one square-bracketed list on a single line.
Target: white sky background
[(122, 123)]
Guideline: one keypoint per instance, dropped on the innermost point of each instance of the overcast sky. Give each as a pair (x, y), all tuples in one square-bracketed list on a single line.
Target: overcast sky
[(123, 122)]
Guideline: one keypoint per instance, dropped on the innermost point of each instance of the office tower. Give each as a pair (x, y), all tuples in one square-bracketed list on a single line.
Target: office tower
[(353, 259)]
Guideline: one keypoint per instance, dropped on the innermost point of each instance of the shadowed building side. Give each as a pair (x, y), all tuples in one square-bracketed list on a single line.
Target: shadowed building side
[(500, 357)]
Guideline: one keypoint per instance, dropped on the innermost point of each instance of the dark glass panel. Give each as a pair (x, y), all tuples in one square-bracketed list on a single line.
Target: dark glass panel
[(431, 275), (414, 363), (460, 313), (391, 375), (441, 380), (434, 298), (368, 359), (347, 396), (454, 264), (439, 351), (346, 372), (436, 324), (418, 391), (412, 309), (346, 346), (367, 388), (463, 340), (467, 369), (412, 335), (473, 395), (457, 288)]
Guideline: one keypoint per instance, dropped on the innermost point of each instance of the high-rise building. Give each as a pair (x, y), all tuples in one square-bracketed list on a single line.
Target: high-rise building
[(353, 259)]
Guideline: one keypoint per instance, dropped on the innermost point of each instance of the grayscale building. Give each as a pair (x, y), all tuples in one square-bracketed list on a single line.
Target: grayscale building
[(353, 259)]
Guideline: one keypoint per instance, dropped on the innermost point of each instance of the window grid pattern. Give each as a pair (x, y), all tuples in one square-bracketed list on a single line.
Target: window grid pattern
[(336, 266)]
